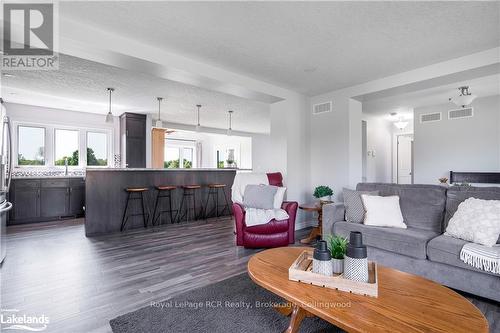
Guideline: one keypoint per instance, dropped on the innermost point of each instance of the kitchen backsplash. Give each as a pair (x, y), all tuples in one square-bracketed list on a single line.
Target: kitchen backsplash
[(45, 172)]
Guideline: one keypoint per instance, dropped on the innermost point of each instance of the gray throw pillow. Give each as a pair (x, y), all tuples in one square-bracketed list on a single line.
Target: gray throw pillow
[(259, 196), (354, 209)]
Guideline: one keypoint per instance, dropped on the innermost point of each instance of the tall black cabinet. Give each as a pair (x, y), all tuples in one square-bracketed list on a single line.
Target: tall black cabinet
[(133, 140)]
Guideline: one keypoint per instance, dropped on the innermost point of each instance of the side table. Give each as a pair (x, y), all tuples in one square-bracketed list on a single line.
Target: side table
[(317, 230)]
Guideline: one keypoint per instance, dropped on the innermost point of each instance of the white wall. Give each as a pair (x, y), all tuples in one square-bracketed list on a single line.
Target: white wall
[(470, 144), (211, 142), (379, 148)]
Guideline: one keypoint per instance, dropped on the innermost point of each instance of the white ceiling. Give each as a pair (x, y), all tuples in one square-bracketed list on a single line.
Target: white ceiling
[(80, 85), (312, 47), (404, 104)]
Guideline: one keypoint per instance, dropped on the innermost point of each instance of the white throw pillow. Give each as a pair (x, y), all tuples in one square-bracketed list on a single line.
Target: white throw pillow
[(477, 221), (279, 197), (383, 211)]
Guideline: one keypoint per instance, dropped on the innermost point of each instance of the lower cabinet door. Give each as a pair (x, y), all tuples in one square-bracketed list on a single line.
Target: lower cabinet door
[(54, 201), (76, 200), (26, 204)]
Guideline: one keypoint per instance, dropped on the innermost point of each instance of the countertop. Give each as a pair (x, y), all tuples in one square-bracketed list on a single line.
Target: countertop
[(164, 170), (48, 177)]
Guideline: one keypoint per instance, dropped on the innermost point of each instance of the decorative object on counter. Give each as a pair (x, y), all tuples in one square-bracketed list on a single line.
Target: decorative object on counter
[(356, 259), (230, 129), (323, 193), (198, 126), (443, 181), (338, 248), (322, 259), (109, 116), (117, 160), (230, 159)]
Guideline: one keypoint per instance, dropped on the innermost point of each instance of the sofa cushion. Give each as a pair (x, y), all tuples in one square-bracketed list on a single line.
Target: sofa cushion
[(423, 206), (410, 242), (446, 250), (354, 208)]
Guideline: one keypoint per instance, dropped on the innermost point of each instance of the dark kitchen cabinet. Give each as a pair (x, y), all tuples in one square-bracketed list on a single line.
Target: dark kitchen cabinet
[(133, 140), (76, 197), (46, 199)]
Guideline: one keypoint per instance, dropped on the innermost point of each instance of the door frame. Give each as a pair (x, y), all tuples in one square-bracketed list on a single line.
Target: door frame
[(395, 156)]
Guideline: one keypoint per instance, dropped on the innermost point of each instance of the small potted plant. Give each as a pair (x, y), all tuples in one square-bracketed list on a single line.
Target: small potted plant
[(323, 193), (338, 248)]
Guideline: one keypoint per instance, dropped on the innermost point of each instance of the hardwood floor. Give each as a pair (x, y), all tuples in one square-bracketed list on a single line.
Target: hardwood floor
[(81, 283)]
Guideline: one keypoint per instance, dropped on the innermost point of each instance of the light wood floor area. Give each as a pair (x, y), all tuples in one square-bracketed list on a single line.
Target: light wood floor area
[(81, 283)]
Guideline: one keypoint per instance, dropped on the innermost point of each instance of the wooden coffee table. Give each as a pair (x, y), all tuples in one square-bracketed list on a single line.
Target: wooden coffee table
[(406, 302)]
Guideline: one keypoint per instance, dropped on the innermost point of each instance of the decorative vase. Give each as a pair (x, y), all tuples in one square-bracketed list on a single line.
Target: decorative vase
[(356, 259), (337, 266), (326, 198), (322, 259)]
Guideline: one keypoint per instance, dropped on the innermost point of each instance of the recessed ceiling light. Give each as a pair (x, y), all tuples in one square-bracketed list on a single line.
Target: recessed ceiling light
[(8, 75)]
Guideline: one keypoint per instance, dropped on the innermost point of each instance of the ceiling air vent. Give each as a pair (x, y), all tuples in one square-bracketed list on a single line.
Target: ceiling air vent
[(461, 113), (322, 108), (430, 117)]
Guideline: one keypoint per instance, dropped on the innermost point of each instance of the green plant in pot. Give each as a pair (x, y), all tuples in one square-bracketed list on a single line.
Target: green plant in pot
[(338, 247), (323, 193)]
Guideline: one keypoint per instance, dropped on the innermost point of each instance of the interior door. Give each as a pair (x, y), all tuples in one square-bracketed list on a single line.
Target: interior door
[(405, 159)]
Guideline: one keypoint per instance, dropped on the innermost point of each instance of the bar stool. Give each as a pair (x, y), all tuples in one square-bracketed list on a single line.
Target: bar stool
[(213, 191), (139, 195), (188, 191), (164, 191)]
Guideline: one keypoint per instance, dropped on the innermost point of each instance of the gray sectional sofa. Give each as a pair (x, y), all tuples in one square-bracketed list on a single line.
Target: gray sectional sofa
[(422, 248)]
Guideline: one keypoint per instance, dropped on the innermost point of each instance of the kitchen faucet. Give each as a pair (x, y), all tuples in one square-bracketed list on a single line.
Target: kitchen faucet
[(65, 166)]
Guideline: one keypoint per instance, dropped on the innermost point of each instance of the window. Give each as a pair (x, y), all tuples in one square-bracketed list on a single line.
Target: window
[(66, 147), (187, 158), (31, 146), (97, 149), (172, 158), (179, 154)]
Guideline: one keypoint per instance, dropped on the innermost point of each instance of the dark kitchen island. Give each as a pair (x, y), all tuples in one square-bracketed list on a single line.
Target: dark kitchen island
[(106, 197)]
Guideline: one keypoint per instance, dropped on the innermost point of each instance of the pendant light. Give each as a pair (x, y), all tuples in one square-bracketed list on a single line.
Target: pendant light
[(159, 123), (109, 116), (464, 98), (230, 129), (198, 126)]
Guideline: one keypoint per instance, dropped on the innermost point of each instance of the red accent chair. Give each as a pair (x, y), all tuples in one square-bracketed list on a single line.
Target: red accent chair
[(272, 234)]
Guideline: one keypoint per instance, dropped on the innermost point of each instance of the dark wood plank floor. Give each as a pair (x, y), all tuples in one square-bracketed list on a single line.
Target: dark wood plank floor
[(81, 283)]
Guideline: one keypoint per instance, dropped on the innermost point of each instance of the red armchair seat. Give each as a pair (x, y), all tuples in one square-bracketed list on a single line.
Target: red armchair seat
[(272, 234)]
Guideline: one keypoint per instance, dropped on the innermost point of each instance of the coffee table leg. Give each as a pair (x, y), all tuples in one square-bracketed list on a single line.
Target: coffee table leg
[(298, 314)]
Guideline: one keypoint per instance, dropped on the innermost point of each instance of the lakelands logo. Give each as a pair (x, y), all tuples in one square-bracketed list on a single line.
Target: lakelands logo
[(11, 319), (29, 36)]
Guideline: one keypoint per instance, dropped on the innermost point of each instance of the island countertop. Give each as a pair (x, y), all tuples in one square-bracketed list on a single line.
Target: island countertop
[(164, 169), (105, 196)]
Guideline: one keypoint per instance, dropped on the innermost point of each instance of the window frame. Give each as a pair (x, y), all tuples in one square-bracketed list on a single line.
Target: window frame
[(108, 152), (181, 144), (49, 140), (55, 129), (16, 145)]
